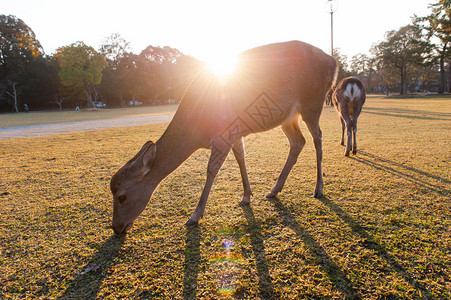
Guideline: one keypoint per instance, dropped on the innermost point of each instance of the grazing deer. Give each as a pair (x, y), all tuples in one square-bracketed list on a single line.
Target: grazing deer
[(272, 86), (349, 97)]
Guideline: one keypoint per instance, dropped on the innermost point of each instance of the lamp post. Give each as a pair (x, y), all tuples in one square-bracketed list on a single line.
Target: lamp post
[(331, 6)]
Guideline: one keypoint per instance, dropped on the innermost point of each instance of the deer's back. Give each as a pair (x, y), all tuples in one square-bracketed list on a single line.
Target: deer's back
[(272, 83)]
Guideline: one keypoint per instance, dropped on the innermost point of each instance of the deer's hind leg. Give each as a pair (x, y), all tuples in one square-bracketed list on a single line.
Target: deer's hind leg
[(343, 127), (238, 151), (313, 127), (297, 142)]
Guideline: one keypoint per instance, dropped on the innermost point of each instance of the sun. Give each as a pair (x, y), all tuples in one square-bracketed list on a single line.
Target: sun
[(222, 65)]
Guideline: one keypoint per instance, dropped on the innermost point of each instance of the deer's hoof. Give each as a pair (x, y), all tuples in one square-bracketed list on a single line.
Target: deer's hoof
[(317, 195), (354, 152), (245, 202), (191, 223), (347, 153), (271, 195)]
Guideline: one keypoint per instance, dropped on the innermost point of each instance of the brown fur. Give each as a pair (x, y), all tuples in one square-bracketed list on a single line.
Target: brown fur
[(273, 85), (349, 111)]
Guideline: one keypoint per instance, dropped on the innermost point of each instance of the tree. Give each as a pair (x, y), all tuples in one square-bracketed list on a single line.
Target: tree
[(59, 100), (22, 61), (388, 77), (342, 60), (401, 51), (118, 76), (438, 25), (161, 56), (114, 48), (18, 45), (150, 77), (157, 66), (183, 73), (14, 94), (364, 67), (81, 68)]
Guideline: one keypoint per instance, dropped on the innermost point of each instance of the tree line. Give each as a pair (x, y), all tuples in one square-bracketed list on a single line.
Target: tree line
[(77, 75), (410, 59)]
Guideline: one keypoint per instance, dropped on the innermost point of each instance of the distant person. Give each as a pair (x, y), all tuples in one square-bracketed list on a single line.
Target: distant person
[(77, 108), (25, 106)]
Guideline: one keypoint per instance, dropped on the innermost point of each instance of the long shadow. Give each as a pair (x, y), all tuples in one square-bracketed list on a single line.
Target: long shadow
[(192, 261), (405, 116), (408, 113), (339, 279), (371, 161), (370, 243), (375, 157), (87, 283), (254, 230)]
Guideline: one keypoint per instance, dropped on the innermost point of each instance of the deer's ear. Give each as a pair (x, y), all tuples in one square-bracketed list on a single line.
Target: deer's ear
[(149, 155), (141, 152)]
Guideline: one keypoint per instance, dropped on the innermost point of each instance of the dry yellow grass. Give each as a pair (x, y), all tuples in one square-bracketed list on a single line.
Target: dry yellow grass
[(381, 231)]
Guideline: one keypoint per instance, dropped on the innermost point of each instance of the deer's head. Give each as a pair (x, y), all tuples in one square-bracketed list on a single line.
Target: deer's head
[(132, 187)]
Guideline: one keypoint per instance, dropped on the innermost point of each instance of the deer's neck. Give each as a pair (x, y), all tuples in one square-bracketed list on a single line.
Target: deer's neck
[(173, 148)]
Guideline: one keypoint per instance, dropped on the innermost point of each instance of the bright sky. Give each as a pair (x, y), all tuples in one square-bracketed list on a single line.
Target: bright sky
[(209, 29)]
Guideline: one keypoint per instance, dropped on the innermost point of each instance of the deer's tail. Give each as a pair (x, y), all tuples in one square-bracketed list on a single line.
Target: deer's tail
[(352, 91)]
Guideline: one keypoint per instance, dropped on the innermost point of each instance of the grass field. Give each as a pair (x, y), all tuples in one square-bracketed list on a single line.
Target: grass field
[(382, 230)]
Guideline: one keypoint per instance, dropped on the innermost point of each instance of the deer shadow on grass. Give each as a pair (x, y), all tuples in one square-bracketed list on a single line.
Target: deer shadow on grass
[(408, 173), (408, 113), (369, 242), (86, 284), (337, 277), (192, 261), (254, 230)]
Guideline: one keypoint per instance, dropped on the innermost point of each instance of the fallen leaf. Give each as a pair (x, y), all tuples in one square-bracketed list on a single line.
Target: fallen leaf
[(91, 268)]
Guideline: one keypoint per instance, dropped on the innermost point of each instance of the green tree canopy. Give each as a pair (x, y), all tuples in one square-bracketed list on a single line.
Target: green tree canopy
[(24, 70), (154, 76), (440, 21), (114, 48), (80, 67), (119, 77), (402, 50), (438, 26), (18, 45), (157, 68)]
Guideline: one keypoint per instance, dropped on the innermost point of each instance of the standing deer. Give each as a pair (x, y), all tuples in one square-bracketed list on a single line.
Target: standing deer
[(349, 97), (273, 85)]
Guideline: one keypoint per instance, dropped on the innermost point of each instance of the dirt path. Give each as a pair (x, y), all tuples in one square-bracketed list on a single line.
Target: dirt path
[(56, 128)]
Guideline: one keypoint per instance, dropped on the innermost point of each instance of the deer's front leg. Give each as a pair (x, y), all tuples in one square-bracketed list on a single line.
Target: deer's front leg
[(297, 142), (217, 158)]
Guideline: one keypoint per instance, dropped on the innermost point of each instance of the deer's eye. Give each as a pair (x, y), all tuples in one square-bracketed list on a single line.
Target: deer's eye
[(121, 198)]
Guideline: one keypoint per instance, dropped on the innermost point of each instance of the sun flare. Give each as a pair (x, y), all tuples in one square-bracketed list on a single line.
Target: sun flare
[(222, 65)]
